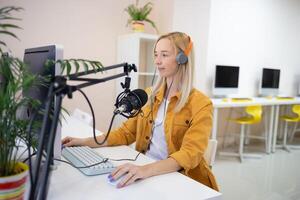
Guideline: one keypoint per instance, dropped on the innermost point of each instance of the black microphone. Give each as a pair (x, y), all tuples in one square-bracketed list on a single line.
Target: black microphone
[(132, 102)]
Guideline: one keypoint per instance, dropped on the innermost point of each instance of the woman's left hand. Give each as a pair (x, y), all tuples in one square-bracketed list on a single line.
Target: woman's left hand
[(129, 173)]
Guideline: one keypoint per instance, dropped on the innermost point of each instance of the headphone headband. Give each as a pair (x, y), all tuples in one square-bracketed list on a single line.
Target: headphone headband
[(189, 47)]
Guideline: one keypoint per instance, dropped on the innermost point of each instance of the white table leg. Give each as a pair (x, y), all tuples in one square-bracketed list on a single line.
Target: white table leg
[(215, 124), (275, 129), (270, 129)]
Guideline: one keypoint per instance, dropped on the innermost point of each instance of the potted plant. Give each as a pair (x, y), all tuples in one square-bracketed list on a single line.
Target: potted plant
[(15, 79), (138, 15)]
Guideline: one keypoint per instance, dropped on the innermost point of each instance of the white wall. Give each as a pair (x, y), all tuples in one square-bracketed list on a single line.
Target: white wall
[(251, 34), (87, 29), (254, 34), (192, 17)]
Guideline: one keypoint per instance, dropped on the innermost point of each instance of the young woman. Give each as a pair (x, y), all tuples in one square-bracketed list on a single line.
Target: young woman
[(173, 127)]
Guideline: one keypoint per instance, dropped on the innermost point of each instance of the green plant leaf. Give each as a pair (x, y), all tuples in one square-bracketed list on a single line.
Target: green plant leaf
[(99, 64), (86, 67), (9, 18), (60, 62), (8, 9), (2, 43), (152, 23), (9, 33), (50, 62), (5, 26), (76, 65), (145, 10), (69, 67)]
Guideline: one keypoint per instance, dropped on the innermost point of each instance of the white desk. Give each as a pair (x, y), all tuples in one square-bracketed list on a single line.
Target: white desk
[(69, 183), (274, 114)]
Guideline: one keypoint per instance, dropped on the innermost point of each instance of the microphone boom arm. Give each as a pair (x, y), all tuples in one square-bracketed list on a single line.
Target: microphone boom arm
[(127, 68)]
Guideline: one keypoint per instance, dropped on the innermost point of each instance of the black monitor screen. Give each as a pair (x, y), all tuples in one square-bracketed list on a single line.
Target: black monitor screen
[(227, 76), (35, 59), (270, 78)]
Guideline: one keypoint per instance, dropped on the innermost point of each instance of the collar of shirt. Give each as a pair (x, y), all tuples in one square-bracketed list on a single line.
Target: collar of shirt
[(160, 94)]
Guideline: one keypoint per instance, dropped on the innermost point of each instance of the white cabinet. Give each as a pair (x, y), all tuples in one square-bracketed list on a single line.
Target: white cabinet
[(136, 48)]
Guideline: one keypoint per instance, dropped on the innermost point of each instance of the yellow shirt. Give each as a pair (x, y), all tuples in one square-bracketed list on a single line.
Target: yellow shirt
[(187, 133)]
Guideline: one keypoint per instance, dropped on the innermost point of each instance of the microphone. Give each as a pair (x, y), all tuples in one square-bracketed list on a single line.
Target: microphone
[(131, 103)]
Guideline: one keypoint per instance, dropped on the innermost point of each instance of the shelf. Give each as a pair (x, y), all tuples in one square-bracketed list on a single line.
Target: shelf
[(146, 73), (143, 36)]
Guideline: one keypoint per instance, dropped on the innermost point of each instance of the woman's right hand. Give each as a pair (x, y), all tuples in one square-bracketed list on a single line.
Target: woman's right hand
[(72, 141), (89, 141)]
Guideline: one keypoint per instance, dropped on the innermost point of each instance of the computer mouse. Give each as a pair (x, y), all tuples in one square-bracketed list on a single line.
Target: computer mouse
[(114, 182)]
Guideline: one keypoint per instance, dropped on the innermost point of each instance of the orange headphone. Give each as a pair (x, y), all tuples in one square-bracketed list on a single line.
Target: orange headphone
[(182, 56)]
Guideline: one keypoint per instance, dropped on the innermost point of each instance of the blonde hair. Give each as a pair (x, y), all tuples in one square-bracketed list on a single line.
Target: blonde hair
[(181, 42)]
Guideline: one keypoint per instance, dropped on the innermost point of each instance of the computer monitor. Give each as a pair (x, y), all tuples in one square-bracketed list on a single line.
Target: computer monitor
[(35, 59), (269, 84), (226, 80)]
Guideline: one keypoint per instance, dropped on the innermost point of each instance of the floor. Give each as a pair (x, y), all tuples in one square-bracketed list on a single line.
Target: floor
[(273, 177)]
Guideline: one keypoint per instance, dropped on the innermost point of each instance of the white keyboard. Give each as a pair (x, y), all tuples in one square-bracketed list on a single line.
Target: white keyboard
[(85, 156)]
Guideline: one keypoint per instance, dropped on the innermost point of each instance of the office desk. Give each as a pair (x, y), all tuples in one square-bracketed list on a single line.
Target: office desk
[(273, 115), (69, 183)]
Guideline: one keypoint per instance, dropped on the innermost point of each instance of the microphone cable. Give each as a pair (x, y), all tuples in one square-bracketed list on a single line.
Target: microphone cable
[(94, 120)]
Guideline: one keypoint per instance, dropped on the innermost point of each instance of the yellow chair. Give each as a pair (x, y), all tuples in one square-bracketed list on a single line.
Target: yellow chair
[(254, 115), (290, 119)]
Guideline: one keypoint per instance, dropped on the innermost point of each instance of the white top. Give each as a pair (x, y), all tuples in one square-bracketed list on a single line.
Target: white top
[(158, 145)]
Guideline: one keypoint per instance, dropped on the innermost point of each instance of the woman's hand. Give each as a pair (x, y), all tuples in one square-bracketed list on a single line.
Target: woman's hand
[(130, 173), (71, 141)]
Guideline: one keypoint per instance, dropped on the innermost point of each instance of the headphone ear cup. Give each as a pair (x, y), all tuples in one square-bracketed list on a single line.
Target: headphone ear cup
[(181, 58)]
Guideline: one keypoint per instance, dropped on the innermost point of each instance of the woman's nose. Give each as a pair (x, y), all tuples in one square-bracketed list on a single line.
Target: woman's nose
[(157, 60)]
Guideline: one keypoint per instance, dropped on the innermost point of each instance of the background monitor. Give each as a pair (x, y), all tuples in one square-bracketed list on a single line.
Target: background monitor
[(35, 59), (269, 82), (226, 81)]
